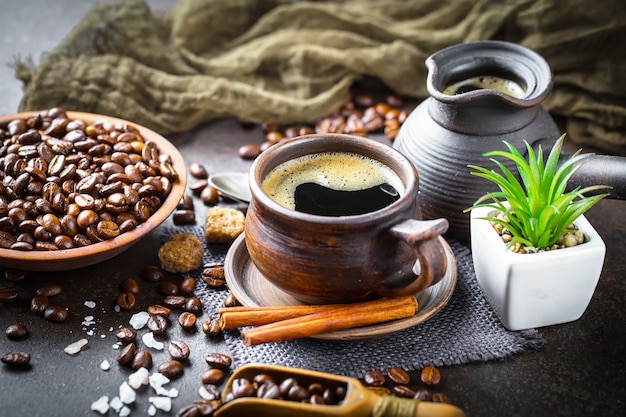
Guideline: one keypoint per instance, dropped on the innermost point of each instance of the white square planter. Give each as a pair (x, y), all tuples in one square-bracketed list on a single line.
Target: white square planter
[(539, 289)]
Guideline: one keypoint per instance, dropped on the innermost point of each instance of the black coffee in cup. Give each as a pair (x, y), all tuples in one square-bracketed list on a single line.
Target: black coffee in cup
[(333, 184)]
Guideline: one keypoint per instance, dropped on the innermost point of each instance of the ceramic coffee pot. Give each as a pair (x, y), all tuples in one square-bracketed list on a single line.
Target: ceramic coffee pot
[(482, 93)]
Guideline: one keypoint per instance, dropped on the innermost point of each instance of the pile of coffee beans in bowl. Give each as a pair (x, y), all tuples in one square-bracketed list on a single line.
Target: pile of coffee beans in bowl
[(67, 183)]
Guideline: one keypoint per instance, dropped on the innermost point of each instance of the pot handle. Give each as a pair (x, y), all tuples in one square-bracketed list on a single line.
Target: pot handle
[(423, 236)]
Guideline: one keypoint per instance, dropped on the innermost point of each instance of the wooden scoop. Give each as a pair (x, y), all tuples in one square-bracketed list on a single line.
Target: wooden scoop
[(358, 401)]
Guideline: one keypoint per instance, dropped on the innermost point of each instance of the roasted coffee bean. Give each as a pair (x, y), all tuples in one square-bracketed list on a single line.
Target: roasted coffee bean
[(439, 397), (15, 275), (142, 359), (168, 288), (57, 314), (340, 392), (127, 354), (212, 328), (261, 379), (422, 395), (196, 187), (209, 196), (298, 393), (197, 170), (403, 391), (174, 301), (159, 310), (193, 305), (210, 392), (374, 379), (398, 376), (269, 391), (187, 320), (329, 396), (212, 376), (181, 217), (380, 391), (187, 285), (157, 324), (49, 290), (126, 334), (230, 301), (39, 304), (185, 203), (249, 151), (8, 293), (218, 360), (241, 387), (430, 376), (130, 285), (171, 369), (286, 385), (213, 276), (17, 331), (178, 350), (16, 359), (126, 300), (153, 274)]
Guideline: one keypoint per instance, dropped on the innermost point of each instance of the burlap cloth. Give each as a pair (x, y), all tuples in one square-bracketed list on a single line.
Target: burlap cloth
[(466, 330), (284, 61)]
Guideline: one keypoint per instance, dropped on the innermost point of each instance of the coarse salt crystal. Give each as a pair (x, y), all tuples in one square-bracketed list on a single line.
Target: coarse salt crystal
[(138, 320), (172, 393), (105, 365), (75, 347), (157, 380), (101, 405), (138, 378), (117, 308), (152, 410), (148, 340), (116, 404), (90, 304), (161, 403), (127, 394), (124, 412)]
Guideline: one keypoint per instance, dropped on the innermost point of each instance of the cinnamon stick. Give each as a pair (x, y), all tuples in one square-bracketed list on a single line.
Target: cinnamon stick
[(241, 316), (337, 318)]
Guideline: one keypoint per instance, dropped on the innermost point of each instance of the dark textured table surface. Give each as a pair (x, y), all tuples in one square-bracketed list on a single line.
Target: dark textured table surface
[(579, 372)]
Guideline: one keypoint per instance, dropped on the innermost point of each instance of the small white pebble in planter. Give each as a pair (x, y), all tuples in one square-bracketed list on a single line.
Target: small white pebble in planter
[(74, 348)]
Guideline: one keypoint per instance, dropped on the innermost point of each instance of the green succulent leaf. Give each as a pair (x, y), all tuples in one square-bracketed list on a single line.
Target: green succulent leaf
[(539, 210)]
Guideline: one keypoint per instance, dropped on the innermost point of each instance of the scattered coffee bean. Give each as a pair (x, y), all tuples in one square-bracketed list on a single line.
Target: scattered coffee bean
[(185, 203), (8, 293), (196, 187), (15, 275), (187, 285), (181, 217), (380, 391), (440, 397), (193, 305), (374, 378), (422, 395), (126, 334), (178, 350), (209, 196), (159, 310), (49, 290), (210, 392), (197, 170), (16, 359), (430, 376), (212, 328), (174, 301), (218, 360), (241, 388), (127, 354), (157, 324), (126, 300), (187, 320), (171, 369), (230, 300), (38, 304), (17, 331), (213, 376), (213, 276), (398, 376), (57, 314), (403, 391), (130, 285), (142, 359), (168, 288), (152, 274), (249, 151)]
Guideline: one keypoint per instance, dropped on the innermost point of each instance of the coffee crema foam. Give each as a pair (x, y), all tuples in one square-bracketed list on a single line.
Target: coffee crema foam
[(486, 82), (344, 171)]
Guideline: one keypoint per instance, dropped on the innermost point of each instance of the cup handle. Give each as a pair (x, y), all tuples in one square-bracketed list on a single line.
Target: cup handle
[(423, 236)]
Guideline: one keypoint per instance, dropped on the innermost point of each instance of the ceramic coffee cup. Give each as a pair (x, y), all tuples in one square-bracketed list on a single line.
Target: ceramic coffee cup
[(339, 258)]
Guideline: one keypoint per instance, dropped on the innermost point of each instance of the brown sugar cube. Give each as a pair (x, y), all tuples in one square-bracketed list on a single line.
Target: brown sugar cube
[(182, 253), (223, 225)]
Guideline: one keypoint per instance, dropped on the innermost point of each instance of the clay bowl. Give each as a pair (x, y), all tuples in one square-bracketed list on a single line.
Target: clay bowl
[(78, 257)]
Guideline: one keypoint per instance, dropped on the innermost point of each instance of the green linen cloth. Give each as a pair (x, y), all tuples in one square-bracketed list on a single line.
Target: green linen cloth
[(286, 62)]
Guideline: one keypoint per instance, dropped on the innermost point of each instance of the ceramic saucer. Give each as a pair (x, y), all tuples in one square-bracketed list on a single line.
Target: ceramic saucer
[(252, 289)]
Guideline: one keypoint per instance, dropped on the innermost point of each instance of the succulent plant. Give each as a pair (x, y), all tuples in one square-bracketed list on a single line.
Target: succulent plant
[(539, 210)]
